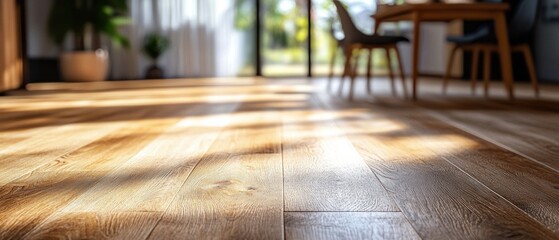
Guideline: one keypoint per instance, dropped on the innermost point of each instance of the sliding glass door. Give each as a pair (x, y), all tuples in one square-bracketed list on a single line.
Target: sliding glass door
[(284, 37), (296, 38)]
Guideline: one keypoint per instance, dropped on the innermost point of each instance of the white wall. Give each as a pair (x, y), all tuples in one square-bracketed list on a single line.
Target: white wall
[(433, 49), (434, 54), (38, 43), (547, 51)]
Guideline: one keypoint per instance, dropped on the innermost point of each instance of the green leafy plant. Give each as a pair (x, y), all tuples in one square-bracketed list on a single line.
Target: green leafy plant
[(72, 17), (155, 45)]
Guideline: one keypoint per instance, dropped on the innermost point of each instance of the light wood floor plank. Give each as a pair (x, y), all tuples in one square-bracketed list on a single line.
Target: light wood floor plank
[(348, 225), (323, 171), (19, 158), (235, 192), (147, 182), (536, 142), (535, 186), (209, 158), (99, 225), (151, 178), (526, 127), (27, 201), (438, 199)]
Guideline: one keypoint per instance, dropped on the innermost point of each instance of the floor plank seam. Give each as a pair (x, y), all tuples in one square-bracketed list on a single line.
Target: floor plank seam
[(457, 126), (201, 160), (473, 133), (438, 117), (468, 132), (282, 175), (67, 152), (327, 106), (59, 211), (506, 107), (186, 179), (342, 211), (497, 194), (524, 213)]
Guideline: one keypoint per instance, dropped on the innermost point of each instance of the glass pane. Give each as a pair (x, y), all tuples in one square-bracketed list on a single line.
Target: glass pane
[(285, 37), (245, 23)]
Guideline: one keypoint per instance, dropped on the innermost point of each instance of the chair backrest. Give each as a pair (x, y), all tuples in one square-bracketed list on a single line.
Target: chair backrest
[(351, 31), (334, 32), (523, 19)]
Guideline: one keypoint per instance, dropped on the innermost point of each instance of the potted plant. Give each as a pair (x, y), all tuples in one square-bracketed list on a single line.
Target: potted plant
[(85, 21), (154, 46)]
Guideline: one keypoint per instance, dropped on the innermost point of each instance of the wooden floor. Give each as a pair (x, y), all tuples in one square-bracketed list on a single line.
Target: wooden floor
[(273, 159)]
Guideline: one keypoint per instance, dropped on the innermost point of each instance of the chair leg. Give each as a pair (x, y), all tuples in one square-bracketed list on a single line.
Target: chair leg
[(449, 68), (353, 75), (390, 71), (475, 64), (486, 71), (402, 74), (369, 72), (355, 62), (348, 52), (332, 64), (531, 69)]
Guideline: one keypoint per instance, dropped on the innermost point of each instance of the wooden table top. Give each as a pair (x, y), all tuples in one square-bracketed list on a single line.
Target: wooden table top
[(404, 11)]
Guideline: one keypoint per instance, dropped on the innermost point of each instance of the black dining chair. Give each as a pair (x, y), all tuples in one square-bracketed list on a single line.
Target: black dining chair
[(354, 39), (340, 47), (521, 22)]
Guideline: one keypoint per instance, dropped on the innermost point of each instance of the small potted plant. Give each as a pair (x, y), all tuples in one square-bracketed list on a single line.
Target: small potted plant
[(154, 46), (85, 21)]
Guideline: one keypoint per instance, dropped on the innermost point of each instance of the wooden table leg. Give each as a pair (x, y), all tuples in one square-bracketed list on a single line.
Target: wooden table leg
[(504, 52), (390, 71), (415, 53)]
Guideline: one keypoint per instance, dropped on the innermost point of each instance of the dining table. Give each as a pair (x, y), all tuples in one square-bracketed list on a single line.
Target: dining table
[(446, 12)]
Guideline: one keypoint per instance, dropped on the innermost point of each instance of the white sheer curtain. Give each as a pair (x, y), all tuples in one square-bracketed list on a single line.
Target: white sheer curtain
[(204, 41)]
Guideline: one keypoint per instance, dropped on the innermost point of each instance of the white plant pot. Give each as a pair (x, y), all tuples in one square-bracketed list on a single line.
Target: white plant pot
[(85, 66)]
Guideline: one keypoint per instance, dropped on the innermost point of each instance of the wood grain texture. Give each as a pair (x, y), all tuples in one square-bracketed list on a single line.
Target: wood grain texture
[(438, 199), (323, 171), (99, 225), (526, 136), (30, 199), (348, 225), (209, 158), (18, 158), (535, 186), (147, 182), (235, 191)]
